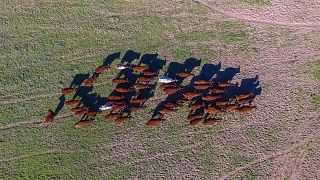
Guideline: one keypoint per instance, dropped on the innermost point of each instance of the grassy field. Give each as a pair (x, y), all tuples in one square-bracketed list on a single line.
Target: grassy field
[(44, 44)]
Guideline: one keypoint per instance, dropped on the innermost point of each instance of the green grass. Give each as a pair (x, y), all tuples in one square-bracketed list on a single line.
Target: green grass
[(238, 160), (119, 174), (251, 174), (234, 37), (316, 72), (315, 101), (195, 36), (232, 32), (271, 139), (257, 2), (207, 160), (183, 53), (309, 149), (252, 133)]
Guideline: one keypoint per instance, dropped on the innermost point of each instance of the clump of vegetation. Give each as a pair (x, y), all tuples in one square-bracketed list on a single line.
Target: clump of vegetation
[(238, 160), (251, 174), (315, 101), (316, 72), (231, 32), (309, 149), (257, 2)]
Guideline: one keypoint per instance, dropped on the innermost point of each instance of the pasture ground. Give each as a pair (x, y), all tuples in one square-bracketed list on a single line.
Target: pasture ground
[(44, 43)]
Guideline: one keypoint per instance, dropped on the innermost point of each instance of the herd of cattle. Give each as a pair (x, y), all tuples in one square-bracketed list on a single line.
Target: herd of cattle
[(206, 99)]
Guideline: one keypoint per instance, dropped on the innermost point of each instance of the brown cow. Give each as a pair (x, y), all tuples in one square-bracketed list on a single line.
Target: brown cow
[(192, 117), (101, 69), (210, 98), (202, 82), (90, 81), (171, 90), (166, 85), (212, 110), (217, 91), (141, 86), (245, 101), (116, 102), (246, 109), (49, 117), (136, 108), (195, 106), (93, 113), (115, 98), (202, 86), (111, 116), (83, 123), (210, 122), (123, 90), (82, 112), (195, 122), (222, 103), (121, 120), (72, 102), (171, 105), (181, 101), (154, 122), (119, 80), (166, 111), (140, 68), (118, 107), (191, 95), (68, 90), (244, 96), (76, 109), (227, 84), (231, 107), (145, 79), (149, 73), (183, 74), (138, 101)]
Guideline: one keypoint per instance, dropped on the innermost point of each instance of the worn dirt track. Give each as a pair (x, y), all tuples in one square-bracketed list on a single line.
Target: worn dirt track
[(279, 13), (48, 152)]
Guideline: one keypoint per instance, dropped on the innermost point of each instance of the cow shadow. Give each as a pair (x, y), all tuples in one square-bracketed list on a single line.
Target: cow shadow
[(110, 58), (128, 73), (227, 75), (250, 85), (155, 64), (82, 91), (130, 56), (93, 101), (173, 69), (207, 72), (60, 105), (78, 80), (191, 63), (176, 67), (147, 93)]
